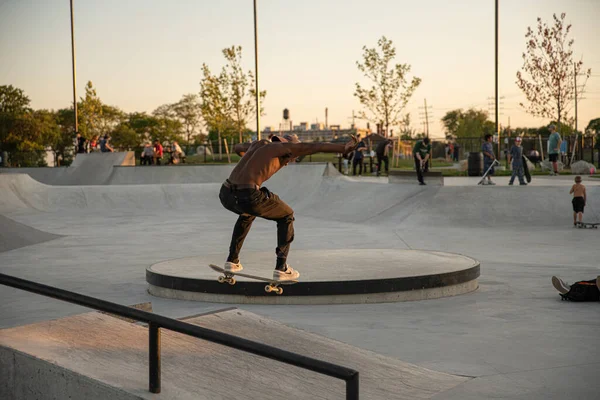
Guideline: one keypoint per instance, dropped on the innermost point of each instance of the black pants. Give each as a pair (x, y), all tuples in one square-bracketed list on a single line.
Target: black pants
[(419, 170), (359, 162), (252, 203), (380, 160)]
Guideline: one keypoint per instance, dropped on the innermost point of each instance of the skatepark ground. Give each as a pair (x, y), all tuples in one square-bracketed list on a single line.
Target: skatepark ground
[(512, 338)]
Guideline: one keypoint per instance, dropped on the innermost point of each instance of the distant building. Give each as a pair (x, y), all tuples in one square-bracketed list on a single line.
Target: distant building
[(317, 126)]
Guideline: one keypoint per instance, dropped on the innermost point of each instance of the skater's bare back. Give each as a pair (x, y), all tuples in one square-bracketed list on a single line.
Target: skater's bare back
[(263, 159)]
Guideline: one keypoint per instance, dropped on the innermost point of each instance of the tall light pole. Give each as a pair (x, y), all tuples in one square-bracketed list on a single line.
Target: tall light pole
[(256, 75), (496, 67), (74, 69)]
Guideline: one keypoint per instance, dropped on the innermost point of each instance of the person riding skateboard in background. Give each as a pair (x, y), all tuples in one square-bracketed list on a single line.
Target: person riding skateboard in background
[(421, 153), (243, 195), (516, 156), (488, 158), (579, 200)]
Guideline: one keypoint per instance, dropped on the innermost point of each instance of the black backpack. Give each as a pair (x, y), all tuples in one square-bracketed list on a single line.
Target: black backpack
[(582, 291)]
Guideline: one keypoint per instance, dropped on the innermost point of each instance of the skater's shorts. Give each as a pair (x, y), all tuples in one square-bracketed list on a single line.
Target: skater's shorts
[(553, 157), (578, 204), (487, 164)]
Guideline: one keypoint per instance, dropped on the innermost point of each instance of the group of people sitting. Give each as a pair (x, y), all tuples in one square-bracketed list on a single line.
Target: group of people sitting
[(82, 145), (153, 154)]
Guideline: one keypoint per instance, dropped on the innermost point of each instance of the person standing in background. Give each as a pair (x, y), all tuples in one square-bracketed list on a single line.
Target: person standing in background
[(421, 153), (554, 141)]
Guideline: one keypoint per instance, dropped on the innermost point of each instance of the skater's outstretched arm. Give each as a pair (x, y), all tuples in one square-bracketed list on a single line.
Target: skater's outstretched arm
[(305, 149), (241, 148)]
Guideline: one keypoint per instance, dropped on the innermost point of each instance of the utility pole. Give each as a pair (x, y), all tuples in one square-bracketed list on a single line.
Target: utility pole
[(256, 74), (74, 70), (575, 78), (496, 69), (425, 115)]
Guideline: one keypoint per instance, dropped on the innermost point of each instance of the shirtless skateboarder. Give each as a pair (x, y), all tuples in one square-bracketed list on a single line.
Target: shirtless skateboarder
[(242, 194)]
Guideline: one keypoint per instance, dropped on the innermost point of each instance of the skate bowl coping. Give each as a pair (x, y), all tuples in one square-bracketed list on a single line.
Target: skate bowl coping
[(430, 177), (155, 322)]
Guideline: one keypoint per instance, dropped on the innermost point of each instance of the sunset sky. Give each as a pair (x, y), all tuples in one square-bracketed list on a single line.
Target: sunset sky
[(141, 54)]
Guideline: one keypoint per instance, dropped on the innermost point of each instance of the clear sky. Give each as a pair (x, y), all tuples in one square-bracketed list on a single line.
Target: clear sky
[(140, 54)]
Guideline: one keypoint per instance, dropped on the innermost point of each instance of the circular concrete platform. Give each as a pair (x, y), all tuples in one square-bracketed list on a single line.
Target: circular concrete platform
[(326, 277)]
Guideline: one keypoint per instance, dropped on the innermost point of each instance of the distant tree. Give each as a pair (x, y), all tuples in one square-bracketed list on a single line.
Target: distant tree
[(125, 137), (390, 91), (13, 100), (213, 102), (239, 91), (165, 126), (20, 132), (143, 124), (593, 127), (548, 74), (470, 123), (406, 130), (109, 119), (188, 111), (62, 144), (90, 113), (52, 138)]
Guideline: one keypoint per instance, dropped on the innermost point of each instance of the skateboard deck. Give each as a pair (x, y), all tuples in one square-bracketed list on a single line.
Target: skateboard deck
[(588, 225), (526, 169), (228, 277)]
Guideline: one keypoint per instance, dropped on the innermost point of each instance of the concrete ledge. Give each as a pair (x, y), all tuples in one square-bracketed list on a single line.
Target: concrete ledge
[(95, 356), (370, 298), (431, 177), (326, 277)]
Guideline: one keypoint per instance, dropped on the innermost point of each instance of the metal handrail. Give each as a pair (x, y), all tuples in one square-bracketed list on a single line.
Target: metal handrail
[(155, 322)]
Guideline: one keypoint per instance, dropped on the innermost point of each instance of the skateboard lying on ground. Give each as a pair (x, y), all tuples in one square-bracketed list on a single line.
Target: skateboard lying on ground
[(585, 225), (526, 169), (273, 286), (488, 171)]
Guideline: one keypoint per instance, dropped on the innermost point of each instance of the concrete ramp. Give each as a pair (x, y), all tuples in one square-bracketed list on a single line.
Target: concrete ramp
[(96, 356), (86, 169), (14, 235)]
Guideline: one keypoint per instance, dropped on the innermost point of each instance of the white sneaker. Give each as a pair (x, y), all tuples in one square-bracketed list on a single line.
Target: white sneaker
[(289, 274), (491, 183), (233, 267)]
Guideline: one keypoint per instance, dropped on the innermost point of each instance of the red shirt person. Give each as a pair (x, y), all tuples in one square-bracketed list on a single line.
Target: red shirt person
[(158, 152)]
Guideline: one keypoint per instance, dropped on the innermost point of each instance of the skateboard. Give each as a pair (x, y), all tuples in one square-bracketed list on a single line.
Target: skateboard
[(228, 277), (526, 169), (488, 171), (586, 225)]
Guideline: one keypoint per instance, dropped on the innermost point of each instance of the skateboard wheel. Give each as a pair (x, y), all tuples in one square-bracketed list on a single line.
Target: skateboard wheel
[(279, 290), (268, 288), (221, 279), (231, 281)]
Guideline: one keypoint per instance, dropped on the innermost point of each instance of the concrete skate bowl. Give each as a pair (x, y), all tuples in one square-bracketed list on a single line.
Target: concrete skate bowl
[(14, 235), (311, 192), (86, 169)]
